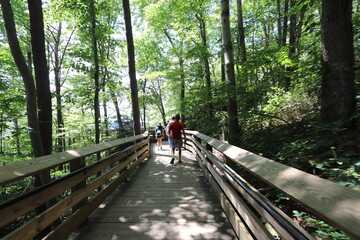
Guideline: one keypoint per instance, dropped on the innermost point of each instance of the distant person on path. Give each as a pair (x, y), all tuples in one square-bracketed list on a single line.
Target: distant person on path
[(159, 134), (174, 132), (167, 126)]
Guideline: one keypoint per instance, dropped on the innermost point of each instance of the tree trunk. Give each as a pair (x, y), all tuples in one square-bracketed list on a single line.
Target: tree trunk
[(17, 134), (206, 65), (338, 85), (41, 73), (96, 71), (182, 79), (278, 6), (1, 134), (117, 109), (292, 29), (182, 90), (144, 104), (234, 132), (241, 29), (42, 91), (285, 29), (57, 75), (132, 69)]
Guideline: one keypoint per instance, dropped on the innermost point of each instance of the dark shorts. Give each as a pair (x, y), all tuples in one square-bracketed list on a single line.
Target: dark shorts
[(175, 143)]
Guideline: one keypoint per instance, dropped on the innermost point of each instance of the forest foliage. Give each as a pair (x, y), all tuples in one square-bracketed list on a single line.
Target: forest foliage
[(277, 48)]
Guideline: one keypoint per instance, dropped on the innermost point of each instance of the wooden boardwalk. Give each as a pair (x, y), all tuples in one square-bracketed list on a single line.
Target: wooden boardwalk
[(161, 201)]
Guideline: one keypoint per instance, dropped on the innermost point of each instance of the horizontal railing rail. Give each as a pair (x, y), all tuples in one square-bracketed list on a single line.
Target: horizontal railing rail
[(78, 193), (337, 205)]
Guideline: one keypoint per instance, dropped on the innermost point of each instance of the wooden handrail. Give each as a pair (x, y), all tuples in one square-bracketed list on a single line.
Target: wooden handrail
[(17, 171), (109, 171), (337, 205)]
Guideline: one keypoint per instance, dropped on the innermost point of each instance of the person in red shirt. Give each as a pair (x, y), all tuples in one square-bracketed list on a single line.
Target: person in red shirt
[(174, 131)]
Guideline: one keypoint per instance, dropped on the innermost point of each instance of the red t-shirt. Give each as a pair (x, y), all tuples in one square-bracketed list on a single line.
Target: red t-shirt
[(175, 130)]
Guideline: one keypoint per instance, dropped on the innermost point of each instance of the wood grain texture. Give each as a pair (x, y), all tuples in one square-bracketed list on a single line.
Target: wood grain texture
[(16, 171), (160, 201), (337, 205)]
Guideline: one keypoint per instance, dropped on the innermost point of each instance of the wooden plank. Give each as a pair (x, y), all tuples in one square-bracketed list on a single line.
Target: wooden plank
[(236, 222), (337, 205), (155, 230), (257, 225), (247, 216), (62, 231), (40, 222), (17, 171), (27, 203), (279, 228), (168, 210)]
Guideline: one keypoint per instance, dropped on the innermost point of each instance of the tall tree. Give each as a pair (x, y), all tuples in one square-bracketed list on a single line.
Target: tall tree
[(182, 74), (57, 76), (29, 83), (58, 56), (96, 70), (233, 123), (338, 85), (41, 73), (241, 29), (205, 57), (285, 28), (132, 69)]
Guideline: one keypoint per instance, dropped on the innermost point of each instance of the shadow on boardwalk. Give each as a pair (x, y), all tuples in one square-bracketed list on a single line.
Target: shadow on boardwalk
[(161, 201)]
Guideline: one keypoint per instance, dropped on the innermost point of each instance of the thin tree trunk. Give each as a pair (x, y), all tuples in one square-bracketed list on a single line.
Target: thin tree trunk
[(144, 104), (285, 29), (57, 75), (1, 133), (182, 79), (234, 132), (96, 72), (17, 139), (182, 90), (106, 122), (278, 6), (338, 84), (241, 29), (292, 29), (117, 109), (206, 65), (132, 69)]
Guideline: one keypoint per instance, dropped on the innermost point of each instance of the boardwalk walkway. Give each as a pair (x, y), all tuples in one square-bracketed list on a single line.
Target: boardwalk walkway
[(161, 201)]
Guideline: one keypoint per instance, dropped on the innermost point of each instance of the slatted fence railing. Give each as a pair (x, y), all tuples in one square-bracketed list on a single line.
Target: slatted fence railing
[(78, 193), (247, 209)]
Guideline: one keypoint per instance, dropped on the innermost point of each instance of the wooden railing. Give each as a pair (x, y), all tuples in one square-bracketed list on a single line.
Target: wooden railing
[(246, 208), (79, 193)]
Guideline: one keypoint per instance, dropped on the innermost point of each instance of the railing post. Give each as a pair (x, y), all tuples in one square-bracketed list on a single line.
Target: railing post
[(209, 147), (74, 166)]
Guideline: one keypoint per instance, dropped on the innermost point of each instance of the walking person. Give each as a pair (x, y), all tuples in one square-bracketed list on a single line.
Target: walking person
[(167, 126), (174, 131), (159, 134)]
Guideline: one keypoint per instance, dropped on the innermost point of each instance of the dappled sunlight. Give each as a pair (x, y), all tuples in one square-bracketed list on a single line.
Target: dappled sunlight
[(162, 201), (18, 173), (73, 153), (182, 231)]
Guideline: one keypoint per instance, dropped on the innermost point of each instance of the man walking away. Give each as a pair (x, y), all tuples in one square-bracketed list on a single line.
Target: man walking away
[(174, 133)]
